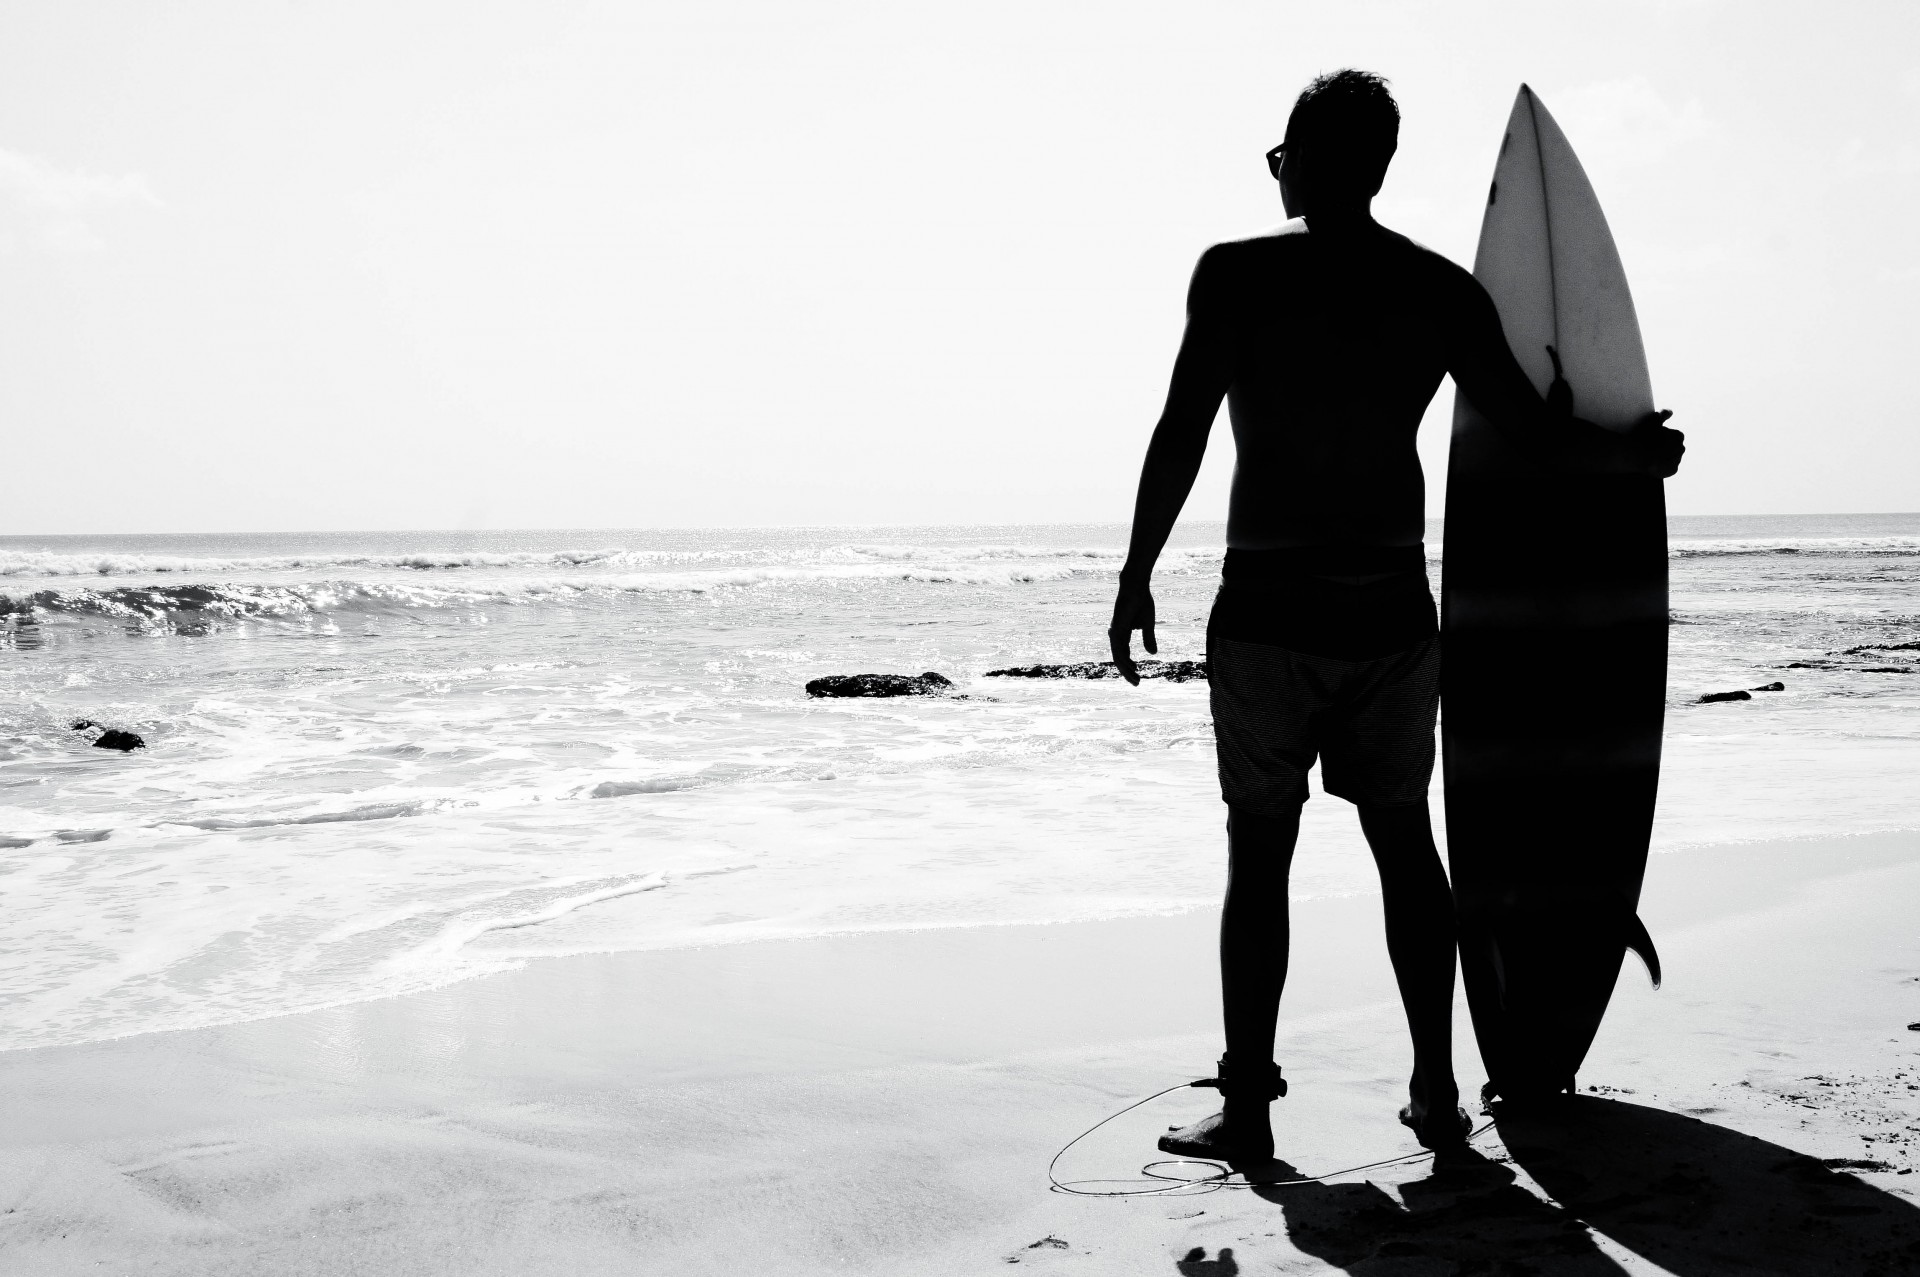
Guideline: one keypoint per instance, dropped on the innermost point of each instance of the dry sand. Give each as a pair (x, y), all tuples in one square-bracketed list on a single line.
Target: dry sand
[(888, 1103)]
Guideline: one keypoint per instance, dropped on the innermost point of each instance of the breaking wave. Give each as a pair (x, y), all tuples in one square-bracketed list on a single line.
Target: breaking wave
[(43, 563), (1853, 547), (240, 601), (31, 563)]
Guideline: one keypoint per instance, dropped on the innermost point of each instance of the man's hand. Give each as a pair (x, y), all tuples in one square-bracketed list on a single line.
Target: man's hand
[(1132, 610), (1661, 447)]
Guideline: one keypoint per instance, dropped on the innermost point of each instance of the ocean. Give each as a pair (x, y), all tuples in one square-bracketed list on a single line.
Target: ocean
[(379, 762)]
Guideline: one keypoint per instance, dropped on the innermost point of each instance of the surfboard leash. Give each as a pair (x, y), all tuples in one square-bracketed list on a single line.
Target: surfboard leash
[(1220, 1177)]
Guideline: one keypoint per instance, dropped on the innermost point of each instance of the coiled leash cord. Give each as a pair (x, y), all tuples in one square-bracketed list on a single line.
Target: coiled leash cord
[(1222, 1176)]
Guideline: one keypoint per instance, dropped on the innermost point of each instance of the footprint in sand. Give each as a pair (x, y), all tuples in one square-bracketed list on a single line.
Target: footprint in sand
[(1196, 1264)]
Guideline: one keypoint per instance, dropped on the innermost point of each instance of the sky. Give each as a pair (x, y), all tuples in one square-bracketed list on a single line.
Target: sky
[(269, 266)]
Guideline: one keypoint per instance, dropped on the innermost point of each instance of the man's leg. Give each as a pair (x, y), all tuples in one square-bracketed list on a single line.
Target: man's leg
[(1254, 933), (1421, 943), (1253, 971)]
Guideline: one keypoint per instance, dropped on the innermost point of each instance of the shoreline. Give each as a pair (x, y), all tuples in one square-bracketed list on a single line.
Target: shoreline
[(1862, 848), (888, 1099)]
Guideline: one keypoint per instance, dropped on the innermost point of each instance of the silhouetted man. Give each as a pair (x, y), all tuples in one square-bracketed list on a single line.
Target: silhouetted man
[(1328, 337)]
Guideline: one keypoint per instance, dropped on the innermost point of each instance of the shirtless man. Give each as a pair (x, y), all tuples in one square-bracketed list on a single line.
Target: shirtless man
[(1328, 337)]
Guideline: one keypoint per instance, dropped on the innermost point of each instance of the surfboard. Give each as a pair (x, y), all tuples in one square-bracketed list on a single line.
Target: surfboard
[(1554, 612)]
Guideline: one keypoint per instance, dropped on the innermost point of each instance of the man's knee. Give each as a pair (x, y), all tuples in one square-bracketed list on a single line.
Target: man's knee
[(1276, 822), (1260, 847), (1395, 810), (1396, 822)]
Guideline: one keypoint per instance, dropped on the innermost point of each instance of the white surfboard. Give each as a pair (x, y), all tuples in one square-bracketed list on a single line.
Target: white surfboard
[(1548, 259), (1553, 580)]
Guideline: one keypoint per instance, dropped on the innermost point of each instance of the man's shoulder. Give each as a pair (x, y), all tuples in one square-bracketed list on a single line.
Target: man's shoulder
[(1419, 257), (1292, 237), (1229, 268), (1253, 271), (1278, 240)]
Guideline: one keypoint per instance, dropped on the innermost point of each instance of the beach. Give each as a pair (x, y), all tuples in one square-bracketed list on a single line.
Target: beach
[(889, 1102), (569, 706)]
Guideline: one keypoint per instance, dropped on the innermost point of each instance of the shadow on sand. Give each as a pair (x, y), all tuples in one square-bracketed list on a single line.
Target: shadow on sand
[(1694, 1198), (1469, 1216)]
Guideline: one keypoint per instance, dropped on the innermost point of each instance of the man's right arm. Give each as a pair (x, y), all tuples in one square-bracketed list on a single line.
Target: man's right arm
[(1201, 373), (1484, 368)]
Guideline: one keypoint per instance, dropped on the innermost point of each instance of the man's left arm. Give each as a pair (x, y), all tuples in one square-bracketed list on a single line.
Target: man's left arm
[(1201, 374), (1545, 431)]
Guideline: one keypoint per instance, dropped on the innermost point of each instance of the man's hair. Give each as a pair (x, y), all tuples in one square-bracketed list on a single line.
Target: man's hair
[(1350, 123)]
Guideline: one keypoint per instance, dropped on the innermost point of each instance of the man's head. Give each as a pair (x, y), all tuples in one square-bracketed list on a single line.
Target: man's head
[(1341, 135)]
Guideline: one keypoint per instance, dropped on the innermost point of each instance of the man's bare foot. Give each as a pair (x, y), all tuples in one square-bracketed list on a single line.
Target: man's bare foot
[(1437, 1128), (1433, 1112), (1220, 1138)]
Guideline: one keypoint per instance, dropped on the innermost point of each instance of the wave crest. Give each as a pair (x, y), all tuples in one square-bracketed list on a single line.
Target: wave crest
[(198, 604), (1851, 547), (39, 563), (32, 563)]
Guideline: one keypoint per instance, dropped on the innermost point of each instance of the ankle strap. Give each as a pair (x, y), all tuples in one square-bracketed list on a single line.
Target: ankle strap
[(1253, 1082)]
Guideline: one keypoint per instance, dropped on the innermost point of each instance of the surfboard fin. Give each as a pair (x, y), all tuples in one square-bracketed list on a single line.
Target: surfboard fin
[(1640, 943), (1559, 393)]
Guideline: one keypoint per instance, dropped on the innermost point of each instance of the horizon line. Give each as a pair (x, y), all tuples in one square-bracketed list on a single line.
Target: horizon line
[(804, 527)]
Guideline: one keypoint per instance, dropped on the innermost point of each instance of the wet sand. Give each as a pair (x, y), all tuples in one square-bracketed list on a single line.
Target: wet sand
[(887, 1103)]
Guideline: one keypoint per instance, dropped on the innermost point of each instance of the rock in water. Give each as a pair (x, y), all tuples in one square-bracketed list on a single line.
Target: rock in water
[(1085, 669), (1770, 687), (927, 684), (1711, 697), (109, 738), (1172, 671), (122, 741)]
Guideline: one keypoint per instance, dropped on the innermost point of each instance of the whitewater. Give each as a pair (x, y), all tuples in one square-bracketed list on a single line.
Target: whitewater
[(378, 762)]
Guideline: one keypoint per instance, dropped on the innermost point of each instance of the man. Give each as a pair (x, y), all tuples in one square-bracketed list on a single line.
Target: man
[(1328, 337)]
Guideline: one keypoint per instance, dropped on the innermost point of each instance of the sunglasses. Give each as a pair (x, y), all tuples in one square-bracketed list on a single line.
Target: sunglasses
[(1274, 157)]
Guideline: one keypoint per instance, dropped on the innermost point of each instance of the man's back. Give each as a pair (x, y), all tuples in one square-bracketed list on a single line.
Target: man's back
[(1336, 344)]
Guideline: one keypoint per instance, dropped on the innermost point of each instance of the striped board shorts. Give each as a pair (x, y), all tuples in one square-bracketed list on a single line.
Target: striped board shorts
[(1369, 722)]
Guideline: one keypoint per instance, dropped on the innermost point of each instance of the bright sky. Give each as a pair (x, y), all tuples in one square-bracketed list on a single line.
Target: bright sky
[(545, 264)]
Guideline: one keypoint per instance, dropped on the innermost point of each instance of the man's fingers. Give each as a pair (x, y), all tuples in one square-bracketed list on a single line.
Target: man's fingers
[(1147, 639), (1664, 445), (1676, 448), (1121, 641)]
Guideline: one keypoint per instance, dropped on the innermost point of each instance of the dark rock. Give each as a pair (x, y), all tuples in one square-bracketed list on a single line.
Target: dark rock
[(110, 738), (928, 684), (1770, 687), (1172, 671), (1884, 669), (1883, 647), (1712, 697), (1085, 669)]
